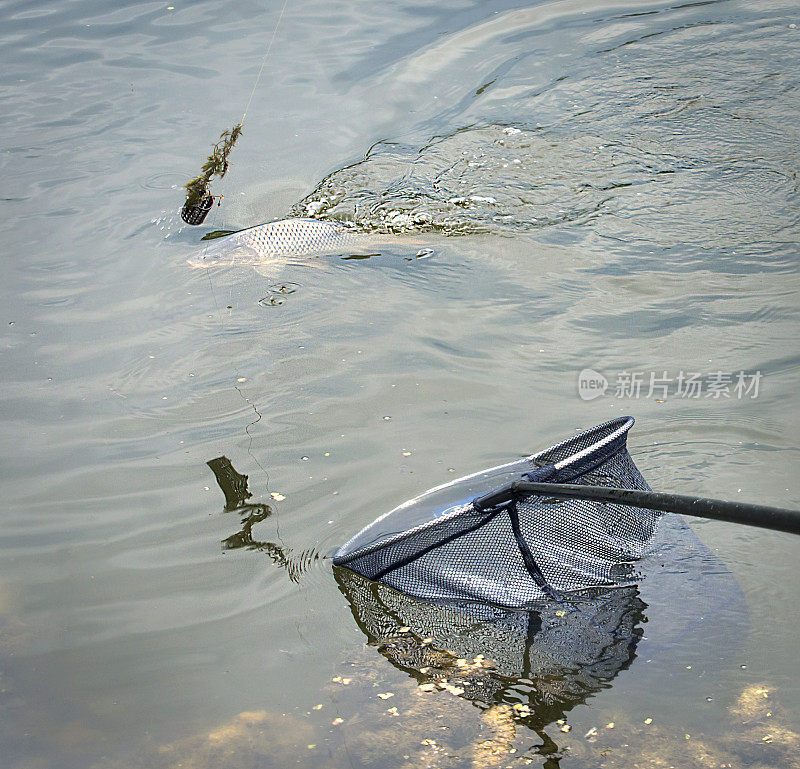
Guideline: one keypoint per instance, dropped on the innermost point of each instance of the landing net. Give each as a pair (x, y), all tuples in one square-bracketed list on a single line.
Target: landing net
[(446, 545)]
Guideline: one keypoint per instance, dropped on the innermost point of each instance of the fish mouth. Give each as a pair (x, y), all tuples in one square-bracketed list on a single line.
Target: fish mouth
[(198, 262), (224, 253), (210, 256), (213, 255)]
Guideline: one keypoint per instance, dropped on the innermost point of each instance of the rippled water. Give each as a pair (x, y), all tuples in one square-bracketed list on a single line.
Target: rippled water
[(607, 186)]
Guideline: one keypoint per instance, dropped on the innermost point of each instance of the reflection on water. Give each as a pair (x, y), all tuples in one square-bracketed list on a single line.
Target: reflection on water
[(542, 663), (234, 487), (233, 484)]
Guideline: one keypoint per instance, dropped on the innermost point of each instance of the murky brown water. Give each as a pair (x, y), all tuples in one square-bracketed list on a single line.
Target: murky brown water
[(620, 184)]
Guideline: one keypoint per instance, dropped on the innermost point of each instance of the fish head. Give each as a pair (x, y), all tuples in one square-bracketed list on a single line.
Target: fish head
[(223, 252)]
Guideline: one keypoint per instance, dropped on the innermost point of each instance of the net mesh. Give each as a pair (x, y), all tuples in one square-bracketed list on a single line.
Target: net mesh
[(515, 554)]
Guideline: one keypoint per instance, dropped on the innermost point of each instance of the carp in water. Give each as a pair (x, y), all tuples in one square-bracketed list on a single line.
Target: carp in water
[(286, 238)]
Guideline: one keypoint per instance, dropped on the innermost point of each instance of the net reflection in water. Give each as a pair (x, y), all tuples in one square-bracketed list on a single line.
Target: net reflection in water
[(543, 662)]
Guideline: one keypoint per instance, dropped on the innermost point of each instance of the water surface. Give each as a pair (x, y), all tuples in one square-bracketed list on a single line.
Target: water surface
[(650, 225)]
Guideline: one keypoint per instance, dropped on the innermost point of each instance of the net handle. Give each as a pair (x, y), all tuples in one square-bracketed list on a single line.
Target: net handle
[(775, 518)]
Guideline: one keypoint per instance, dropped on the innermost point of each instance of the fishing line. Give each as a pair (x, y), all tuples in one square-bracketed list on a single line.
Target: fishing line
[(250, 453), (208, 273), (248, 401), (264, 60), (199, 201), (260, 71)]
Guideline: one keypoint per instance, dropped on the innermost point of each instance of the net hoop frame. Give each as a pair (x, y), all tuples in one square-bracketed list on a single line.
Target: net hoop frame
[(600, 450)]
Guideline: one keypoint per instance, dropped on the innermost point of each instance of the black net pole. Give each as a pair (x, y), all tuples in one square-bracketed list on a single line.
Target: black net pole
[(776, 518)]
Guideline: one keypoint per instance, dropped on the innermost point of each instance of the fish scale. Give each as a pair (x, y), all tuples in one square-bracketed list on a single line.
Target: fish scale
[(296, 236)]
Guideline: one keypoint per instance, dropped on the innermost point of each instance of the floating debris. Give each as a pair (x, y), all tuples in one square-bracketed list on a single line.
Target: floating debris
[(753, 703), (456, 690)]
